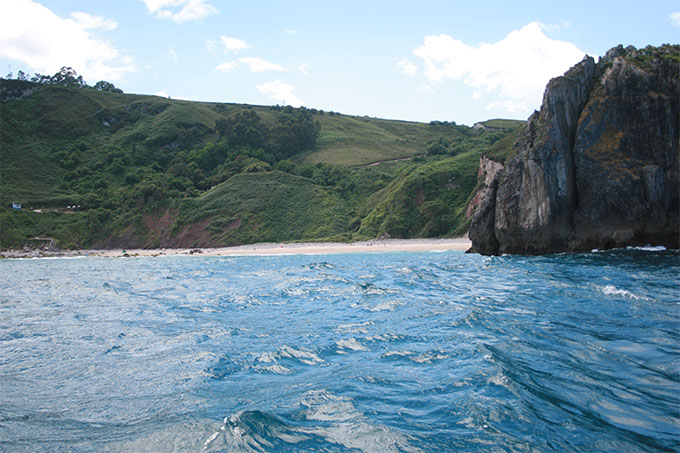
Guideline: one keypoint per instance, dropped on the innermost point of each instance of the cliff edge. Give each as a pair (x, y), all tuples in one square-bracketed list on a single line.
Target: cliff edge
[(596, 167)]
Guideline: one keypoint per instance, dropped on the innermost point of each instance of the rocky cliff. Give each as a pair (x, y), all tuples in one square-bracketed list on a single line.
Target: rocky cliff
[(596, 167)]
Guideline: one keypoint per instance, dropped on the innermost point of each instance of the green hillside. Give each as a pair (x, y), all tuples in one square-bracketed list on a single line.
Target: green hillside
[(149, 171), (352, 141), (500, 124), (428, 201)]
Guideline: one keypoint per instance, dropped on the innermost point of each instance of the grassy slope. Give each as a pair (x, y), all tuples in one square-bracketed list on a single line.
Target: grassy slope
[(52, 119), (502, 124), (500, 150), (427, 201), (351, 141), (37, 131), (271, 206)]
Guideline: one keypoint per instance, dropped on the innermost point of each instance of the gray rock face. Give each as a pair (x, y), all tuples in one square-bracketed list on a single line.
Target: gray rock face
[(596, 167), (483, 205)]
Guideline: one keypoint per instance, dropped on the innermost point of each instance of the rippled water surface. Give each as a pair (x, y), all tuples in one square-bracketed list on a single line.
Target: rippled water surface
[(357, 352)]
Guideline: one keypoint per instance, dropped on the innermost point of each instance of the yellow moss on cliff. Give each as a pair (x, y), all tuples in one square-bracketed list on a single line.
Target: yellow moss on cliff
[(608, 153)]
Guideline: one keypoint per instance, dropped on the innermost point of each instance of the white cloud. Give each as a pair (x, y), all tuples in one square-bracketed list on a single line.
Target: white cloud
[(90, 22), (227, 66), (515, 69), (556, 27), (303, 68), (424, 88), (507, 106), (173, 55), (211, 46), (407, 67), (162, 93), (233, 44), (289, 31), (257, 64), (180, 10), (34, 35), (280, 91), (675, 18)]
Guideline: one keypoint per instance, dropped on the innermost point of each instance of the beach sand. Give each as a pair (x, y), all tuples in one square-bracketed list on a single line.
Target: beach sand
[(312, 248)]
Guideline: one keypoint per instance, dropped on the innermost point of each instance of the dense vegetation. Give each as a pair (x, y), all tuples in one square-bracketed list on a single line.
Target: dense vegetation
[(150, 172)]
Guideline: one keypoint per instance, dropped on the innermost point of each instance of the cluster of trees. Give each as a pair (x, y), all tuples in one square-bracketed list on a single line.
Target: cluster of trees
[(472, 140), (66, 77), (292, 133), (128, 178), (289, 109), (443, 123)]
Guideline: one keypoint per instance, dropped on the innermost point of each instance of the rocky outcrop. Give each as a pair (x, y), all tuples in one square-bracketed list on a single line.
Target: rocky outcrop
[(596, 167), (483, 204)]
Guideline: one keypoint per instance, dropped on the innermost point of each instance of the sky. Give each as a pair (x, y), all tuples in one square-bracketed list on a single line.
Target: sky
[(462, 61)]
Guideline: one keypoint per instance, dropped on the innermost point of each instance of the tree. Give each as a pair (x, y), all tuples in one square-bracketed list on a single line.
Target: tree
[(440, 146), (294, 133), (244, 129), (109, 87), (67, 77)]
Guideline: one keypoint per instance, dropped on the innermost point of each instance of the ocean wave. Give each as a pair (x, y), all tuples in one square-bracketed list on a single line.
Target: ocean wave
[(611, 290), (646, 248), (649, 248), (352, 344), (303, 355)]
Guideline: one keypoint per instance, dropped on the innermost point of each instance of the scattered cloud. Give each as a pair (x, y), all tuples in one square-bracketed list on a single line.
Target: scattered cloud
[(233, 44), (90, 22), (507, 106), (515, 69), (162, 93), (280, 91), (556, 27), (675, 18), (173, 55), (257, 64), (180, 10), (227, 66), (34, 35), (407, 67), (211, 46), (424, 88), (303, 68)]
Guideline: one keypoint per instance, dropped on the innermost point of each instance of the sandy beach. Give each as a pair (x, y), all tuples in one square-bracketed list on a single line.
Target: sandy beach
[(375, 245)]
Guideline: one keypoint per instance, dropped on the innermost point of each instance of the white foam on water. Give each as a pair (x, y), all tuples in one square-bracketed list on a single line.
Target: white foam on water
[(385, 306), (352, 344), (276, 369), (354, 328), (649, 248), (429, 357), (646, 248), (304, 356), (398, 353), (346, 426), (611, 290)]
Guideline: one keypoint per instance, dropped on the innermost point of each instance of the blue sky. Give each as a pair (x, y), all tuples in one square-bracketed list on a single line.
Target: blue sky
[(425, 60)]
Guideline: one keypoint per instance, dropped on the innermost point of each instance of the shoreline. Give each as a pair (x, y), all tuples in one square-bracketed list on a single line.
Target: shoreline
[(263, 248)]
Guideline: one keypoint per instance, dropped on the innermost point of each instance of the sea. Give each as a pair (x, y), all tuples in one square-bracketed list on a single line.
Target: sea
[(372, 352)]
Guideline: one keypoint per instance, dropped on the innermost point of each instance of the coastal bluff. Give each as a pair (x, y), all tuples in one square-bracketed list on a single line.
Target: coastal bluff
[(595, 168)]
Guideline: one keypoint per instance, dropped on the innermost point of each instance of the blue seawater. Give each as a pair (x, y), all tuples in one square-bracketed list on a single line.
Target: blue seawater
[(357, 352)]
